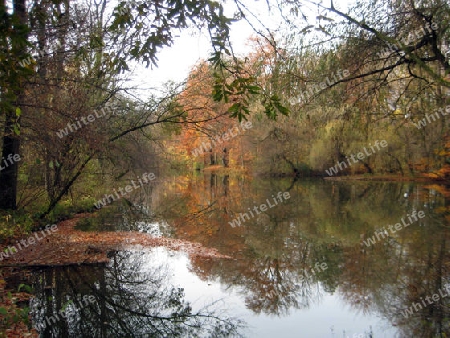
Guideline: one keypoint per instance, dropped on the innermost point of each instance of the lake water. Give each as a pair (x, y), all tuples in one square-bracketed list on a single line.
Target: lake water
[(299, 266)]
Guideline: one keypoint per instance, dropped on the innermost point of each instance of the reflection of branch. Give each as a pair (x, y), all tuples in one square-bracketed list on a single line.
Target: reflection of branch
[(163, 309), (198, 213)]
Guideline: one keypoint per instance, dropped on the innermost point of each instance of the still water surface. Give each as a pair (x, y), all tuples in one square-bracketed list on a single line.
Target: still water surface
[(299, 269)]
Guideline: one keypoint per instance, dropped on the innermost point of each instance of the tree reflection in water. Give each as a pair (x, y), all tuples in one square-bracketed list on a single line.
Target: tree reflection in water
[(133, 298), (322, 222), (273, 255)]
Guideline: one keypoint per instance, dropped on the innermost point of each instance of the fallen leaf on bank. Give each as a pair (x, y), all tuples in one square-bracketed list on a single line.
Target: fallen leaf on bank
[(68, 246)]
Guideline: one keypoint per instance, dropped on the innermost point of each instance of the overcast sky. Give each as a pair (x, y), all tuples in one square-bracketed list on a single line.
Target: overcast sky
[(189, 48)]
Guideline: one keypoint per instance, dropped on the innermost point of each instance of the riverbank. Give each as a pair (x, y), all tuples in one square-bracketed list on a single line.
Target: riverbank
[(425, 178), (69, 246), (14, 319), (63, 246)]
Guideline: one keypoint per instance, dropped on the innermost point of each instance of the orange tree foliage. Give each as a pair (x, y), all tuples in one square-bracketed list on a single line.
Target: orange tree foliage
[(206, 120)]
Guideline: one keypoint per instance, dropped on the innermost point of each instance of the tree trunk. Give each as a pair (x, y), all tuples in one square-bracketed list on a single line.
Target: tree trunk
[(226, 158), (11, 141), (211, 157), (8, 175)]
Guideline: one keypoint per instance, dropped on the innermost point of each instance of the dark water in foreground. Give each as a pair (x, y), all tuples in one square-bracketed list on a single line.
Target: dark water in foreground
[(299, 269)]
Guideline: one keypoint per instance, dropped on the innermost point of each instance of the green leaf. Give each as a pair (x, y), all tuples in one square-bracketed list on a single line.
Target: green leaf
[(18, 112), (254, 89), (16, 129), (64, 307), (27, 288)]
